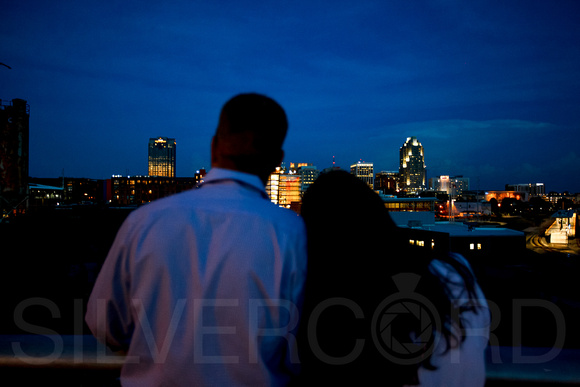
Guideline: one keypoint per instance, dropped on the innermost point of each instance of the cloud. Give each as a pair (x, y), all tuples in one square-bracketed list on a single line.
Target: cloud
[(490, 90)]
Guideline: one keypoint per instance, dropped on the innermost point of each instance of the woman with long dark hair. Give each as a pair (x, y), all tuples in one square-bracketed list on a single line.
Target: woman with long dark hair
[(376, 311)]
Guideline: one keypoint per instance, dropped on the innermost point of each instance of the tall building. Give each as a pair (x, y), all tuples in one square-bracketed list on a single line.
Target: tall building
[(14, 132), (162, 156), (284, 186), (364, 171), (412, 165)]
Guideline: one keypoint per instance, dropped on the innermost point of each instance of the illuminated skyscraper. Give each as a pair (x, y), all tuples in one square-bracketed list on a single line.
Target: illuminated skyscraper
[(412, 165), (365, 172), (162, 156), (283, 186)]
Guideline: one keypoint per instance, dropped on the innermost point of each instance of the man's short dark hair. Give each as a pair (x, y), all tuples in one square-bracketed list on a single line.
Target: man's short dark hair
[(256, 116)]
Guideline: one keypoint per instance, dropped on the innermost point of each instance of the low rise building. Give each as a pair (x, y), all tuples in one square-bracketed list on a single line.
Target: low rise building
[(129, 190), (397, 204), (500, 195), (534, 189), (471, 239)]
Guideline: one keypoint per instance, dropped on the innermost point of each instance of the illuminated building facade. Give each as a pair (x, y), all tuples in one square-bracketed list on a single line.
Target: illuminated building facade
[(117, 191), (162, 156), (365, 172), (500, 195), (14, 132), (453, 185), (131, 190), (564, 227), (73, 190), (289, 190), (44, 196), (412, 165), (273, 185), (284, 186), (534, 189), (394, 204)]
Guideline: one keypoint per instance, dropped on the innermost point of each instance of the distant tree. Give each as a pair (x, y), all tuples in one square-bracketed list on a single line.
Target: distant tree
[(505, 205), (512, 206)]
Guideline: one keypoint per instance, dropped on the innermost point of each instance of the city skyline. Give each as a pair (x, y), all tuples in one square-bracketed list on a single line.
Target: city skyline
[(489, 89), (162, 163)]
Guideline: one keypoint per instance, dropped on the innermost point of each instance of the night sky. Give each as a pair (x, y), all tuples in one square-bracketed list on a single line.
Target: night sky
[(490, 88)]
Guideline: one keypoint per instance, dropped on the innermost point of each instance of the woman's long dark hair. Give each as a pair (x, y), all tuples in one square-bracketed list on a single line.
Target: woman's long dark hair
[(355, 252)]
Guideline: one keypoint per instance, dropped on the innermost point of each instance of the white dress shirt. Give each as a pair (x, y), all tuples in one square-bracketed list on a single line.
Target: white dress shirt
[(204, 287)]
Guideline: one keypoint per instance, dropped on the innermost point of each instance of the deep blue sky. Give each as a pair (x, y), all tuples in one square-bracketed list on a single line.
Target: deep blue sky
[(490, 88)]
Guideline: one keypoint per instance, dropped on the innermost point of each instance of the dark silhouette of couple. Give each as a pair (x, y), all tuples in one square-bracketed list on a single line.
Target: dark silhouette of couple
[(218, 286)]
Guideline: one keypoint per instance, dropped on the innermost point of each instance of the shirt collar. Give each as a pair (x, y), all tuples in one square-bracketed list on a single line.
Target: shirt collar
[(216, 174)]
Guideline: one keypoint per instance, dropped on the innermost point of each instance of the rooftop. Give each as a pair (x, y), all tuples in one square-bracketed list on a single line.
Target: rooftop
[(460, 229), (426, 221)]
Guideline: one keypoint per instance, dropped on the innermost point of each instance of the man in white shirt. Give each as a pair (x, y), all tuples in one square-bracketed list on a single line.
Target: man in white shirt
[(205, 287)]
